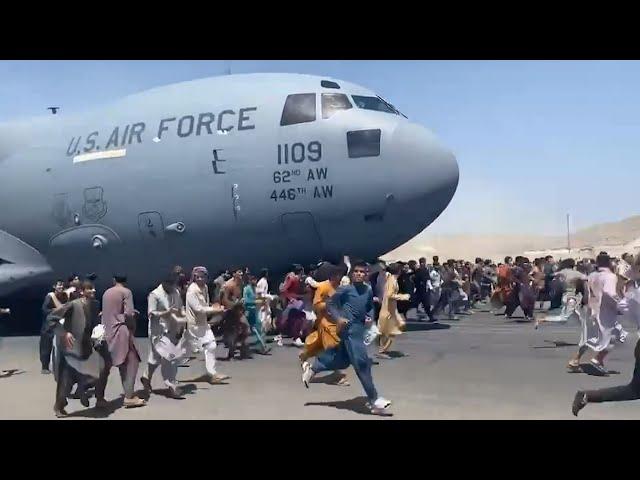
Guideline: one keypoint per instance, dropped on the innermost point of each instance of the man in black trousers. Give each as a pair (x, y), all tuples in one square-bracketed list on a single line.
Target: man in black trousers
[(612, 394), (421, 280)]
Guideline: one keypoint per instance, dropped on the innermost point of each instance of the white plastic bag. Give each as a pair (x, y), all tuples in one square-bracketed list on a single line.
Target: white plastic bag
[(371, 334), (167, 350), (97, 335)]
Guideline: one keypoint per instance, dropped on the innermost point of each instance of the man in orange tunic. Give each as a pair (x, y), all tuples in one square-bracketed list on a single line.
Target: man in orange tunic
[(325, 335)]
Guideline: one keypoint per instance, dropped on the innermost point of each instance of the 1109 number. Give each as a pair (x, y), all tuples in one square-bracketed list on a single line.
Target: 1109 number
[(299, 152)]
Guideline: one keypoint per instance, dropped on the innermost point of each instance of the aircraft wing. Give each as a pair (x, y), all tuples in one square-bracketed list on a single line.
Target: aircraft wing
[(20, 264)]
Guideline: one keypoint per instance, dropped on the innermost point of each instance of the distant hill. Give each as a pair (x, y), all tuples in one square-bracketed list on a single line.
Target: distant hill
[(623, 231), (469, 246)]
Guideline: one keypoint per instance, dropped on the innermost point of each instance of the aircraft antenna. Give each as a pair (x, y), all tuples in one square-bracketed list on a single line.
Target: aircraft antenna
[(227, 69)]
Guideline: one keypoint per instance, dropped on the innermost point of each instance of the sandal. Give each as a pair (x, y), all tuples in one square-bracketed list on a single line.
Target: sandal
[(574, 368)]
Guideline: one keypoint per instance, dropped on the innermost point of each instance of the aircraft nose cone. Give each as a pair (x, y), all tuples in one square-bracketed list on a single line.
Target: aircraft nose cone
[(428, 171)]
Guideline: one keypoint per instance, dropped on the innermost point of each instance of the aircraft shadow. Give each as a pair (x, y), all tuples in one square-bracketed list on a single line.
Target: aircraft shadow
[(356, 405)]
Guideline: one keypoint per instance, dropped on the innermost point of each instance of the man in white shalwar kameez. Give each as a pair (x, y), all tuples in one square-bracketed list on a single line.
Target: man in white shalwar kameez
[(631, 391), (199, 335), (262, 293), (167, 321), (574, 282), (600, 324)]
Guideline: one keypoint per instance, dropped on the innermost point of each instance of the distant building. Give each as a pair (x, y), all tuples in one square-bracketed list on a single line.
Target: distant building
[(557, 253), (588, 251)]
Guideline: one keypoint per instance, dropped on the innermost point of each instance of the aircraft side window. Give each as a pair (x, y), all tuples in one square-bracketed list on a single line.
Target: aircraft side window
[(299, 108), (373, 103), (332, 102), (364, 143)]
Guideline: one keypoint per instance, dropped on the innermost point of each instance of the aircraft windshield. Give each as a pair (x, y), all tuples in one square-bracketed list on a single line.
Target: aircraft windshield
[(378, 104), (299, 108), (332, 102), (393, 107), (373, 103)]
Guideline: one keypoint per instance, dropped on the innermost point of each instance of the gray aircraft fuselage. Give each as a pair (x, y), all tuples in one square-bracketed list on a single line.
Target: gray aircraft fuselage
[(215, 172)]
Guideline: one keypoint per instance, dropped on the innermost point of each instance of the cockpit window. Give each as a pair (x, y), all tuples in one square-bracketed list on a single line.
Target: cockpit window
[(332, 102), (299, 108), (373, 103)]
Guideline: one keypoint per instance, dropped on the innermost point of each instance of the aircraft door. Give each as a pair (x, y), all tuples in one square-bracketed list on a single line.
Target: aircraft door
[(302, 240)]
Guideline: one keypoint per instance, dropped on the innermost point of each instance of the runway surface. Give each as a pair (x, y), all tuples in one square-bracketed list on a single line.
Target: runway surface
[(480, 367)]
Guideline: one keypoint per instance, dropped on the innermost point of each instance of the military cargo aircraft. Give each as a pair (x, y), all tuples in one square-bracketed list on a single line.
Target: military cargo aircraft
[(259, 169)]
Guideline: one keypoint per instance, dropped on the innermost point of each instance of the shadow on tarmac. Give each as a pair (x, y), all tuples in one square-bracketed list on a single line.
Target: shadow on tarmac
[(413, 326), (356, 405), (12, 372)]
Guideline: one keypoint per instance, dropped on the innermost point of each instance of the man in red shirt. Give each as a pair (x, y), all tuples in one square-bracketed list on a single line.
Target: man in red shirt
[(292, 317), (291, 288)]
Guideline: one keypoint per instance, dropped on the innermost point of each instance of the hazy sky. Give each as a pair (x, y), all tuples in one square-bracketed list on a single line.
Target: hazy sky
[(534, 140)]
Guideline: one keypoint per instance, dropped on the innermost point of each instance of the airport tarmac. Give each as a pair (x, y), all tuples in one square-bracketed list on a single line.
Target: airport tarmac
[(480, 367)]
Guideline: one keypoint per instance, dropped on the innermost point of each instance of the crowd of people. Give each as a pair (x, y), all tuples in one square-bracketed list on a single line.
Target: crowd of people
[(331, 312), (592, 292), (327, 312)]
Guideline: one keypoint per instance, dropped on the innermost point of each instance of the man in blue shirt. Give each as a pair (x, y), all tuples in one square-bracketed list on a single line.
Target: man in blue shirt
[(350, 308)]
